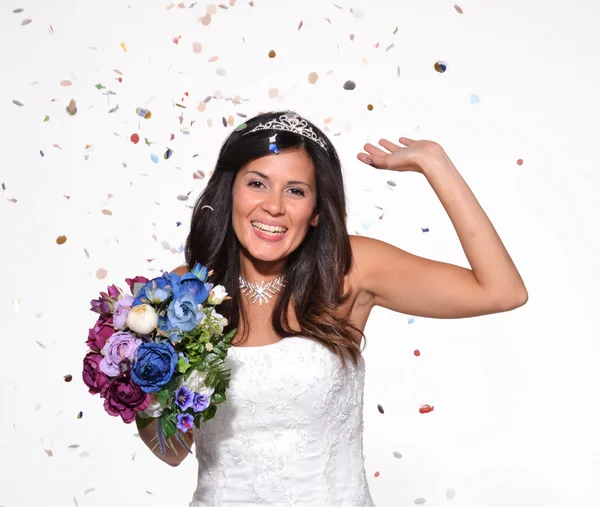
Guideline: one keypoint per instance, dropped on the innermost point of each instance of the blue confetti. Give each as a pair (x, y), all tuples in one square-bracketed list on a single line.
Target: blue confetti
[(154, 158), (474, 98), (411, 320)]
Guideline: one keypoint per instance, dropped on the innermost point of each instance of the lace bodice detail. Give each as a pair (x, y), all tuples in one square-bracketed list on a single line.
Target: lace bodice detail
[(290, 432)]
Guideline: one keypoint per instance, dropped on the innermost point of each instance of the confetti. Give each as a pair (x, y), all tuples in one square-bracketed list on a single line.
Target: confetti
[(80, 415), (168, 154), (135, 138), (417, 353), (221, 72), (51, 30), (100, 86), (370, 107), (396, 31), (49, 452), (440, 66), (18, 11), (458, 9), (47, 118), (300, 25), (424, 229), (73, 446), (272, 53), (144, 113), (474, 98), (411, 320), (176, 39), (273, 93), (123, 47), (65, 82), (349, 85), (450, 494), (419, 501), (426, 409), (196, 47), (25, 22), (72, 107), (397, 455), (18, 103), (313, 77), (68, 378), (107, 212), (520, 161), (205, 20), (154, 158), (380, 408), (376, 474)]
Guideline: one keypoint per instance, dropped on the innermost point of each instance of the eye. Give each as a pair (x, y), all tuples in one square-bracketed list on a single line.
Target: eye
[(296, 191), (300, 192), (252, 183)]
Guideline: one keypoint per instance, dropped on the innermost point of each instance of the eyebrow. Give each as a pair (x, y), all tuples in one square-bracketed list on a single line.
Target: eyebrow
[(292, 182)]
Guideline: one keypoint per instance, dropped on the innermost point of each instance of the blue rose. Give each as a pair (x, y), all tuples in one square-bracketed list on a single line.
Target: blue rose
[(153, 366), (183, 313), (156, 290), (192, 283)]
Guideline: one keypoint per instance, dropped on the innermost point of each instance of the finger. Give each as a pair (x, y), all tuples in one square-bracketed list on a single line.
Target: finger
[(406, 141), (372, 160), (374, 150), (388, 145)]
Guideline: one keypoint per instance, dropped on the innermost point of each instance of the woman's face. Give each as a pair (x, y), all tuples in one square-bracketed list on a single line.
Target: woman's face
[(276, 190)]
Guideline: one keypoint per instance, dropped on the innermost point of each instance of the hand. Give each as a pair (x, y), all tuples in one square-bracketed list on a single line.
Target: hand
[(400, 158)]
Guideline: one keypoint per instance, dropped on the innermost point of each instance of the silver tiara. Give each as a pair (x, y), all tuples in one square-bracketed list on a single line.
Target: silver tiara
[(291, 122)]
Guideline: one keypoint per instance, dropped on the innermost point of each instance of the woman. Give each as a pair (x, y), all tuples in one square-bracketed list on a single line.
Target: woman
[(271, 223)]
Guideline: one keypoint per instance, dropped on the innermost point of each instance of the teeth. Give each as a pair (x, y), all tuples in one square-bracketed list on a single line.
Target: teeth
[(269, 228)]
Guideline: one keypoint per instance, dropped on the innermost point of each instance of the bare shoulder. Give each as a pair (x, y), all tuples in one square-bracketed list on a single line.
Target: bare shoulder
[(181, 270), (363, 249)]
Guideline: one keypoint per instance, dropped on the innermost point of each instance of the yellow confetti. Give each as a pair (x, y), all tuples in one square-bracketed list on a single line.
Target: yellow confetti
[(123, 47)]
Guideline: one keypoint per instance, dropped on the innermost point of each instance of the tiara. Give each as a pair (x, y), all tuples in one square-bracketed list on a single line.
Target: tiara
[(291, 122)]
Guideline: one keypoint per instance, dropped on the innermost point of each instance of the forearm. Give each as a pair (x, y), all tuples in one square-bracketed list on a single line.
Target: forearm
[(490, 262), (148, 436)]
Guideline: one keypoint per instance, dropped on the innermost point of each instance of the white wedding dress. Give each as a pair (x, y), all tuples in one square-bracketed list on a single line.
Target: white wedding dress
[(290, 432)]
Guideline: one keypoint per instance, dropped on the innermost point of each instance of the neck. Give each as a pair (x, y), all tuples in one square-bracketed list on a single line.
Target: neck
[(253, 270)]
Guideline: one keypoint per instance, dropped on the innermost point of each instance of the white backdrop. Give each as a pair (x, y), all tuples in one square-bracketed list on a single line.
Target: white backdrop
[(515, 416)]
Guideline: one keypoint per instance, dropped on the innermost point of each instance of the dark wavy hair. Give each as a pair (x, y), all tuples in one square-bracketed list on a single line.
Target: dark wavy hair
[(314, 272)]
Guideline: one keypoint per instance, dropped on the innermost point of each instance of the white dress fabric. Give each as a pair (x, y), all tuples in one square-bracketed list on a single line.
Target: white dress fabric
[(290, 432)]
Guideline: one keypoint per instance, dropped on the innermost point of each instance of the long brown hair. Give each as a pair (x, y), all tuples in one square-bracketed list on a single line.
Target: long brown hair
[(314, 272)]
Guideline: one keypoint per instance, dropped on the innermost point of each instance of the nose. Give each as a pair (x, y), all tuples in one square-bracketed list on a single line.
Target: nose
[(273, 203)]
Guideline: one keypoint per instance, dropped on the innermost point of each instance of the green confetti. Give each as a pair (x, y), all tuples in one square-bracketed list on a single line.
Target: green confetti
[(100, 86), (47, 118), (396, 31)]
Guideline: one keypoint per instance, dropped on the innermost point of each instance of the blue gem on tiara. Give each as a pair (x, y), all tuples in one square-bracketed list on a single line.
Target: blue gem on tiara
[(273, 143), (291, 122)]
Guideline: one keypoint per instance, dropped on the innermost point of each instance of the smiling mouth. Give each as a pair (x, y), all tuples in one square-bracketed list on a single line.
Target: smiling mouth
[(268, 230)]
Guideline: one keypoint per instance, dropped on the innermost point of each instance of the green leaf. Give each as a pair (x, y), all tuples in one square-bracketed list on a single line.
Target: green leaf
[(182, 365), (209, 413), (218, 398), (163, 397), (168, 427)]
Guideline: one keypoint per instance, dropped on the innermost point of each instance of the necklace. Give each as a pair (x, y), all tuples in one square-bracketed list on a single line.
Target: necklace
[(261, 291)]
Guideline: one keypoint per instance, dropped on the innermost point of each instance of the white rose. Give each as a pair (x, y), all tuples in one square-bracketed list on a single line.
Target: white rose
[(142, 319), (217, 295), (195, 383)]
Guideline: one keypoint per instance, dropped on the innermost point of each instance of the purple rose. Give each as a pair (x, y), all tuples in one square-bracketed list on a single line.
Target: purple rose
[(132, 281), (121, 311), (185, 422), (122, 397), (92, 376), (120, 346), (102, 331), (103, 305)]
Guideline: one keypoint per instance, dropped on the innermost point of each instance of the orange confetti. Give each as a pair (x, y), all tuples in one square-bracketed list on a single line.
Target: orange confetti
[(49, 452), (61, 240), (101, 274), (65, 82), (88, 146), (458, 9), (272, 54), (313, 77), (426, 409), (107, 212), (370, 107)]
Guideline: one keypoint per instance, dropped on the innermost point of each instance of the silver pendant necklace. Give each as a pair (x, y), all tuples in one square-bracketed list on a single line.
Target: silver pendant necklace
[(261, 291)]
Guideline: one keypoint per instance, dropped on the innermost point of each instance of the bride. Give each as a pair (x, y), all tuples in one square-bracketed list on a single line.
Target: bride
[(271, 224)]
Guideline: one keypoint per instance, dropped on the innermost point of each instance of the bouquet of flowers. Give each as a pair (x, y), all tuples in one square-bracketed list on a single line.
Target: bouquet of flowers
[(159, 354)]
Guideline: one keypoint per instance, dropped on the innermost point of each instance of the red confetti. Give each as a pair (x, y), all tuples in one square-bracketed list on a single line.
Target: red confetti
[(135, 138), (417, 352), (172, 136), (376, 474), (520, 161), (425, 409)]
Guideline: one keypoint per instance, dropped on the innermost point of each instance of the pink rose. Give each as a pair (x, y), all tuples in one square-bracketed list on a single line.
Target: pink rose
[(122, 397), (132, 281), (102, 331), (92, 376)]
